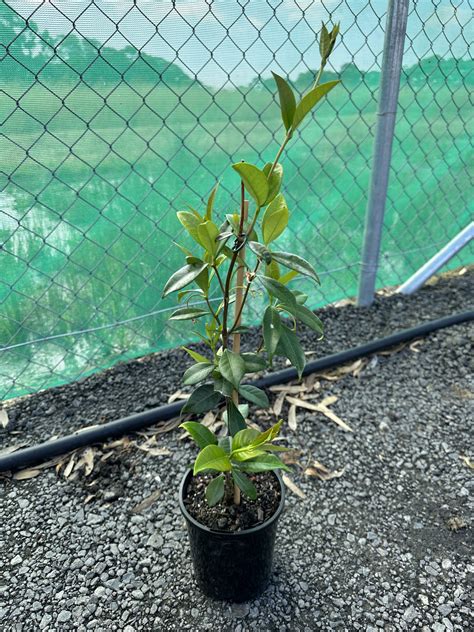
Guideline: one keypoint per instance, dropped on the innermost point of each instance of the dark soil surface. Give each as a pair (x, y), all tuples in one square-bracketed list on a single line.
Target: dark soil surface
[(150, 381), (386, 544), (225, 516)]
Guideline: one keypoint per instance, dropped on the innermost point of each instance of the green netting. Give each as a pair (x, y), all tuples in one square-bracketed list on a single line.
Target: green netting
[(116, 115)]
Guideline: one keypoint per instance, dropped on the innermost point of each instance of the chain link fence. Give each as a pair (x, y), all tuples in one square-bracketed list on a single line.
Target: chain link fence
[(116, 115)]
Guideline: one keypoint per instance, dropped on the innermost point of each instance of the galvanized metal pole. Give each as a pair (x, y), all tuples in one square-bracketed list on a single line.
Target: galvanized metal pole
[(397, 14), (438, 261)]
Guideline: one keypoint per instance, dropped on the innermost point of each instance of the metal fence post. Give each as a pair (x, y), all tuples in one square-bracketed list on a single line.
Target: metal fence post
[(397, 14)]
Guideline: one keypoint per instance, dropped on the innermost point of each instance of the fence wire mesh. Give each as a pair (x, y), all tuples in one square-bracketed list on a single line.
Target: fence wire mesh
[(116, 115)]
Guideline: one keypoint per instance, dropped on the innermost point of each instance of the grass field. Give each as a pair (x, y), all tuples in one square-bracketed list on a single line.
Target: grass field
[(91, 177)]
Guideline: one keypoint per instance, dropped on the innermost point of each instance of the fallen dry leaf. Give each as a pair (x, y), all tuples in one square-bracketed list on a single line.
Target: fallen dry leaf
[(414, 346), (456, 523), (291, 457), (392, 350), (292, 423), (322, 472), (312, 383), (321, 408), (290, 388), (12, 448), (24, 475), (88, 457), (124, 442), (177, 395), (147, 502), (3, 418), (467, 461), (278, 405), (293, 487), (69, 467), (88, 498)]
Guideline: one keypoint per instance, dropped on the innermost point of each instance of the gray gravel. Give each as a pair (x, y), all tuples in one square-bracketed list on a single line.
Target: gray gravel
[(381, 547)]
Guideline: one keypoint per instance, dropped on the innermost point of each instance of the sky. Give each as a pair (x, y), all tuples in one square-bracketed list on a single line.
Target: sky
[(218, 40)]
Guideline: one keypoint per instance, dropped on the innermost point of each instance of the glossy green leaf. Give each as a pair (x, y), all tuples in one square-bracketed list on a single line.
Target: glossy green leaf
[(271, 330), (272, 270), (309, 318), (244, 483), (190, 223), (201, 435), (223, 386), (212, 457), (232, 367), (308, 102), (300, 297), (235, 419), (324, 42), (254, 362), (188, 313), (287, 101), (195, 355), (254, 395), (261, 251), (255, 181), (208, 232), (202, 280), (244, 454), (278, 290), (268, 435), (215, 490), (275, 219), (244, 438), (297, 263), (225, 443), (201, 400), (197, 373), (210, 202), (274, 181), (182, 277), (263, 463), (290, 347)]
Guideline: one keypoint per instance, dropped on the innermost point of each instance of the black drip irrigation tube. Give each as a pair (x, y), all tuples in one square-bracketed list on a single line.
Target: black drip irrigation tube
[(111, 430)]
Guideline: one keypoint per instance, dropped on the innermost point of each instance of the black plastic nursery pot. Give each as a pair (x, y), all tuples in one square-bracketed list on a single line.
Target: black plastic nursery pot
[(235, 566)]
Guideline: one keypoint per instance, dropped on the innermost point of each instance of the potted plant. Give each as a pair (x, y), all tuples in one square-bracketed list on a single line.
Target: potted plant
[(233, 496)]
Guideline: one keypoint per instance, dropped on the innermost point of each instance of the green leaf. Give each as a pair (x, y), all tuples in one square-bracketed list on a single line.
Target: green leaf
[(287, 101), (190, 222), (188, 313), (309, 318), (308, 102), (278, 290), (195, 355), (275, 219), (182, 277), (210, 202), (235, 419), (274, 181), (225, 443), (201, 400), (272, 327), (201, 435), (268, 435), (212, 457), (324, 41), (221, 385), (300, 297), (244, 454), (297, 263), (244, 438), (198, 372), (202, 280), (215, 490), (272, 270), (244, 483), (255, 181), (254, 362), (254, 395), (208, 232), (290, 347), (263, 463), (232, 367), (261, 251)]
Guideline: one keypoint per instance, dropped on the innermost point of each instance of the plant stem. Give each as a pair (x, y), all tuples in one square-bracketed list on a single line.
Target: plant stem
[(214, 314)]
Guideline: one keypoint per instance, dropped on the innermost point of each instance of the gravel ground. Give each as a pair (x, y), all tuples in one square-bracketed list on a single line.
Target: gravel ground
[(387, 545)]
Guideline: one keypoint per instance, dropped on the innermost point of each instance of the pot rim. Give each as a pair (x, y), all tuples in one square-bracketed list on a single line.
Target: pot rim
[(231, 534)]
